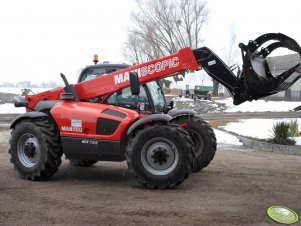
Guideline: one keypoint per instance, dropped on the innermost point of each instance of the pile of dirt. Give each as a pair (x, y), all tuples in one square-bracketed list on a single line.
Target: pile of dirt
[(200, 106), (6, 98)]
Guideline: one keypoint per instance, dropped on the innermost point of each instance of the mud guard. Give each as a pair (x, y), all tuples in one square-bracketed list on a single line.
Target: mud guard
[(27, 115), (149, 118), (176, 113)]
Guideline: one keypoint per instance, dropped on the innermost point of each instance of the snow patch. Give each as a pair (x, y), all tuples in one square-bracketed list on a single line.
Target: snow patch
[(259, 106), (226, 139), (257, 128), (11, 109), (298, 140), (182, 99)]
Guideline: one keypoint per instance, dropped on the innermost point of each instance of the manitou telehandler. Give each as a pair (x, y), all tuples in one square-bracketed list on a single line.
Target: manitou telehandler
[(118, 112)]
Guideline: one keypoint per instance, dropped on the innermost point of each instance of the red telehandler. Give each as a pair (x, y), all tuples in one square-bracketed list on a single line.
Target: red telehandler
[(121, 114)]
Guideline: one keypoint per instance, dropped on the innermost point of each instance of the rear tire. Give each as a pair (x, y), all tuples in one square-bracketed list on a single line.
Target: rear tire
[(203, 137), (160, 155), (35, 149)]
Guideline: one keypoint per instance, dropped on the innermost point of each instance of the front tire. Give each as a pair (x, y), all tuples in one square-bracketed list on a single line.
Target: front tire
[(35, 149), (203, 137), (160, 155)]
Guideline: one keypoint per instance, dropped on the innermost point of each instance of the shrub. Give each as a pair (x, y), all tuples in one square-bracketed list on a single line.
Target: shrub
[(293, 128), (281, 134)]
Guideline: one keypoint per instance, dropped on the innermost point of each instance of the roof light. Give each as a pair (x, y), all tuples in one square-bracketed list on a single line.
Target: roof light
[(95, 58)]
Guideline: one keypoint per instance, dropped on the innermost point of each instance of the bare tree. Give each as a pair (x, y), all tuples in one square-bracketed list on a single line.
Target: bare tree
[(230, 57), (231, 53), (162, 27)]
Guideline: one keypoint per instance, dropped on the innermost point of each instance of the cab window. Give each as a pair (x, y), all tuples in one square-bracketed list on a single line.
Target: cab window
[(91, 73), (157, 96), (127, 100)]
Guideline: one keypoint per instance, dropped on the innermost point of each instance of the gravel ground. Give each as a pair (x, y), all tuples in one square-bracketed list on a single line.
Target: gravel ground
[(235, 189), (198, 105)]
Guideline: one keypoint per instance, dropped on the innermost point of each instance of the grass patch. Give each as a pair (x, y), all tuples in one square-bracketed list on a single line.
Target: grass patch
[(294, 129), (281, 134)]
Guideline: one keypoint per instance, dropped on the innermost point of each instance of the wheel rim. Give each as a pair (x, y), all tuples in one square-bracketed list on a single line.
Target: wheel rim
[(198, 142), (28, 150), (159, 156)]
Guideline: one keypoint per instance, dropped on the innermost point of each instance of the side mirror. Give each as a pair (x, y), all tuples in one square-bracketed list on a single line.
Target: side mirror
[(141, 106), (171, 105), (134, 83)]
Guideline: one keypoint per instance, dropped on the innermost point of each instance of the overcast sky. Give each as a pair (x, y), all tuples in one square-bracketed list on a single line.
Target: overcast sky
[(40, 39)]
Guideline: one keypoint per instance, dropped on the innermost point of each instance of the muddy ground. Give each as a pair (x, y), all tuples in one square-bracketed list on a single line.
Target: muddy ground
[(235, 189)]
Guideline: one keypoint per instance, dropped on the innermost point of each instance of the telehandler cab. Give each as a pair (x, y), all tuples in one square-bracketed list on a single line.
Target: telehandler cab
[(118, 112)]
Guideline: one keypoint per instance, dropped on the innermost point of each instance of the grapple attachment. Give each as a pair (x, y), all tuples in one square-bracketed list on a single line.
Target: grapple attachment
[(261, 75), (260, 72)]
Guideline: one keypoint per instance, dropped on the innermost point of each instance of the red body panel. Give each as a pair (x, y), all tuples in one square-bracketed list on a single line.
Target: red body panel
[(153, 70), (79, 119), (53, 94)]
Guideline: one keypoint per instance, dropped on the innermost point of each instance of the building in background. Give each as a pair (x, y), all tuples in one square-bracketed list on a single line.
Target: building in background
[(194, 85), (199, 91)]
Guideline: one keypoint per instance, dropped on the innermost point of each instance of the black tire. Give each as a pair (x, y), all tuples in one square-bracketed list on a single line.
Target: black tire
[(203, 137), (85, 163), (160, 155), (35, 149)]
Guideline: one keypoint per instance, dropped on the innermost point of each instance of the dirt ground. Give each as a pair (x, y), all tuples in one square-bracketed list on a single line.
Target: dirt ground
[(235, 189)]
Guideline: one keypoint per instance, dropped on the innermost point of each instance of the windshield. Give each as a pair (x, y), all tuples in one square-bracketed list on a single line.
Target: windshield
[(157, 96), (93, 72)]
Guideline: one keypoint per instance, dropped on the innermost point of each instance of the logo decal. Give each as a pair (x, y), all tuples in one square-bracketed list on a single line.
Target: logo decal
[(212, 62), (76, 123), (148, 70), (282, 214), (76, 126), (94, 142)]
